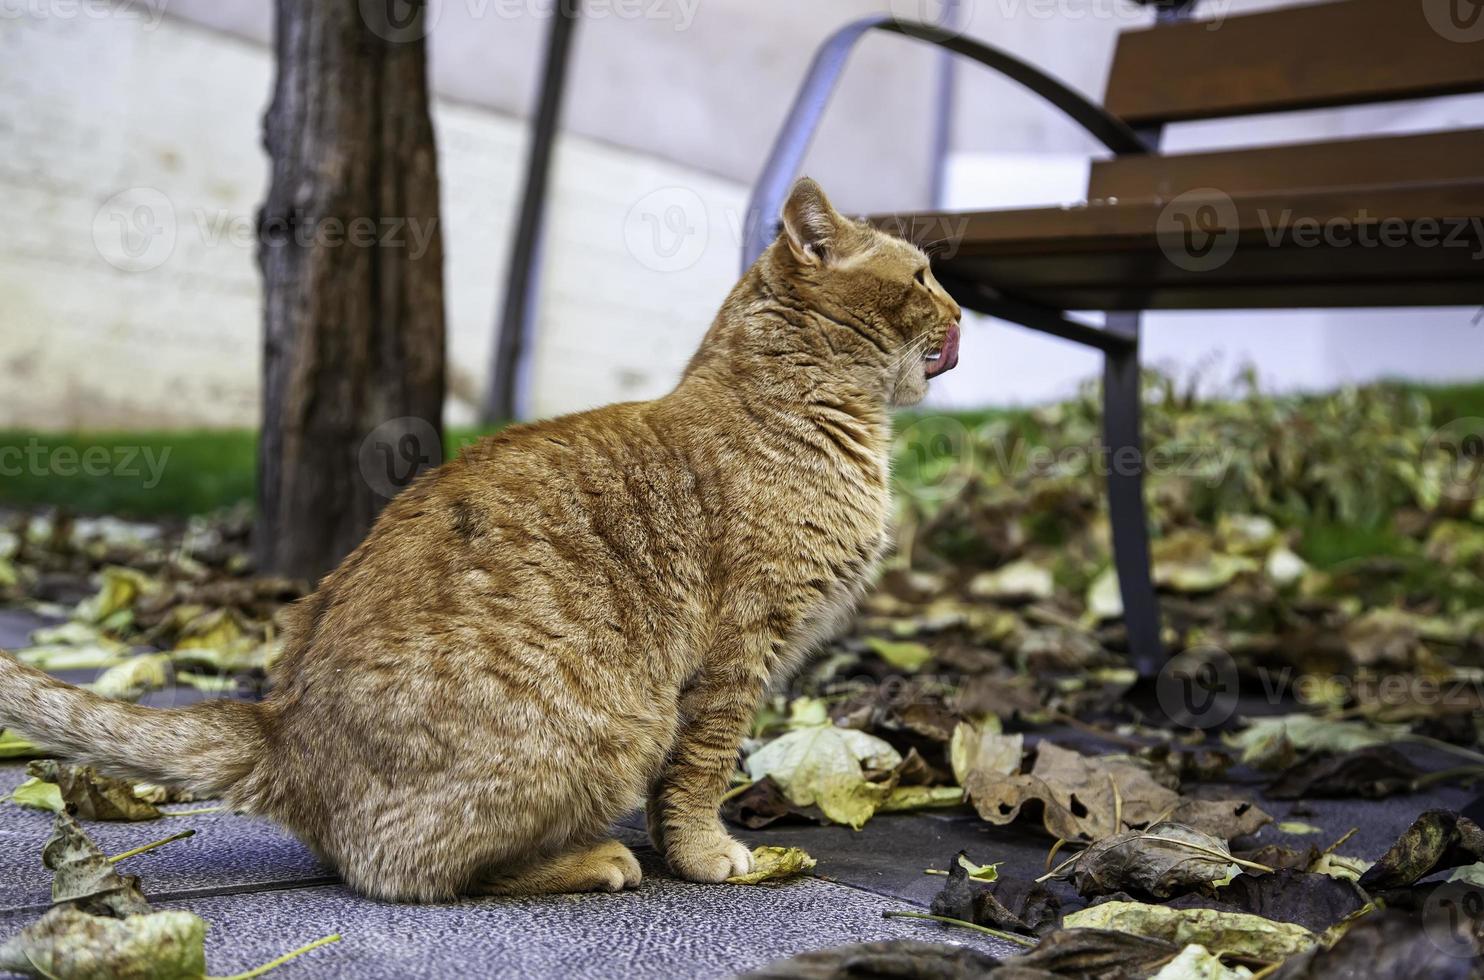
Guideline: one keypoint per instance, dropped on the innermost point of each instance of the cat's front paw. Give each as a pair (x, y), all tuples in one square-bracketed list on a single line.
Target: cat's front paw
[(707, 857)]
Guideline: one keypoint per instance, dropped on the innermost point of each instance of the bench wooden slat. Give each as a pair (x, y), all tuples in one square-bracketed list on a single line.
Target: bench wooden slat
[(1252, 296), (1075, 228), (1113, 256), (1456, 154), (1312, 56)]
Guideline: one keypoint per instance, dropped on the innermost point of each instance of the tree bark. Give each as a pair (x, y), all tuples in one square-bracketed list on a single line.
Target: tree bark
[(352, 260)]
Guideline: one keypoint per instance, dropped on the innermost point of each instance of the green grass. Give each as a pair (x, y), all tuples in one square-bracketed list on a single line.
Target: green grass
[(1449, 402), (1330, 546), (138, 474), (152, 474), (134, 474)]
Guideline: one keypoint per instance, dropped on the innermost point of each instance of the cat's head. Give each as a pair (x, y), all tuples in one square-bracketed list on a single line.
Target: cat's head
[(873, 284)]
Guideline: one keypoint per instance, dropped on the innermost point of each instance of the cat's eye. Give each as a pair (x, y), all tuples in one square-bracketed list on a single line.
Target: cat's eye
[(921, 276)]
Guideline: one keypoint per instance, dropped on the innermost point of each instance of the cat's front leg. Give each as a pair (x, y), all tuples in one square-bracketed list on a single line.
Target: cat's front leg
[(716, 712)]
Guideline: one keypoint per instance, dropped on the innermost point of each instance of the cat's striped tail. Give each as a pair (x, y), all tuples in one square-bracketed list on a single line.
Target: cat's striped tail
[(205, 748)]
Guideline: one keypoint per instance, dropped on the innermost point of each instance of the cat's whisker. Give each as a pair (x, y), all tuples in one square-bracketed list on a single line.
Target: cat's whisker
[(938, 246), (916, 347), (903, 356)]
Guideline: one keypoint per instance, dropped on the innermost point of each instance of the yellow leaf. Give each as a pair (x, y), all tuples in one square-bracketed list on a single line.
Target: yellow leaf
[(1298, 827), (38, 795), (13, 746), (774, 864), (825, 765), (920, 798), (120, 589), (903, 655), (1230, 932), (132, 678)]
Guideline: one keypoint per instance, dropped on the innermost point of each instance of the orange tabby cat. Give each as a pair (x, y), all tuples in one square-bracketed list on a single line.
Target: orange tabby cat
[(576, 614)]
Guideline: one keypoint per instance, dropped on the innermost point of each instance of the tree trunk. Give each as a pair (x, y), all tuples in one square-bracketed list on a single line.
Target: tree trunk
[(352, 258)]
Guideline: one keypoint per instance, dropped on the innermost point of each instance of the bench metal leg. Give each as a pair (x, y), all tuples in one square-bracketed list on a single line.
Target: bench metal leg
[(1125, 469)]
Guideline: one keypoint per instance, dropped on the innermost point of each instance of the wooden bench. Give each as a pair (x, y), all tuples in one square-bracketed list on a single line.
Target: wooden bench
[(1385, 221)]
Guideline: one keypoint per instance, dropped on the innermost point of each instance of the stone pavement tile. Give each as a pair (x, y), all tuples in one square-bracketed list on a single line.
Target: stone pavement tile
[(892, 852), (667, 928), (1378, 823), (16, 626), (228, 853)]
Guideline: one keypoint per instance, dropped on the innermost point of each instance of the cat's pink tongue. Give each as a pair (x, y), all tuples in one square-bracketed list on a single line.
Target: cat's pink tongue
[(947, 355)]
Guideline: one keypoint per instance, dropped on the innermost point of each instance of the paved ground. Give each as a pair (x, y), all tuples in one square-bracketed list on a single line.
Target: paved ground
[(264, 894)]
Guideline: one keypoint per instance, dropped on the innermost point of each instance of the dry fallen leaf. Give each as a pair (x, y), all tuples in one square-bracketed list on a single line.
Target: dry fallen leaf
[(774, 864), (1080, 796), (825, 766), (974, 894), (1162, 861), (1090, 952), (1436, 840), (92, 795), (1230, 932), (1274, 743), (66, 944), (119, 588), (1370, 773), (984, 748), (101, 928), (903, 798), (1227, 819), (38, 795), (13, 746), (902, 958), (83, 876), (133, 678), (1077, 793), (905, 655), (1315, 901), (1196, 962), (1388, 945)]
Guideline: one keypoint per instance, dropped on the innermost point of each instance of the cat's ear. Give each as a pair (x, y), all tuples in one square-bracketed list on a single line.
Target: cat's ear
[(811, 226)]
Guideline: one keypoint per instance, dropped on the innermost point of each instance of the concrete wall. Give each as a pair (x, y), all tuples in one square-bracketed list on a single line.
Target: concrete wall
[(131, 169), (702, 82)]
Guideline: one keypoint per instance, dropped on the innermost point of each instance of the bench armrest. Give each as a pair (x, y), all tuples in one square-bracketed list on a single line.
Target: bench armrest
[(771, 189)]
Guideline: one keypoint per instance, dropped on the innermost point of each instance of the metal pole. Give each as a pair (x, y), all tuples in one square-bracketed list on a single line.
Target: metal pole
[(952, 20), (507, 396), (1128, 512)]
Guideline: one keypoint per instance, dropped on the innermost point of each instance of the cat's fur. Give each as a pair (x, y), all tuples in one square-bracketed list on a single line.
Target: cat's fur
[(575, 615)]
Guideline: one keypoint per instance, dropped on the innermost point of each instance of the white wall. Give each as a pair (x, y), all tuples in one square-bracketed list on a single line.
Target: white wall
[(110, 119), (703, 82)]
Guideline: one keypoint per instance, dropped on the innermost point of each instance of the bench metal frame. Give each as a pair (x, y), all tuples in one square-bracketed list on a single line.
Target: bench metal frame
[(1118, 338)]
